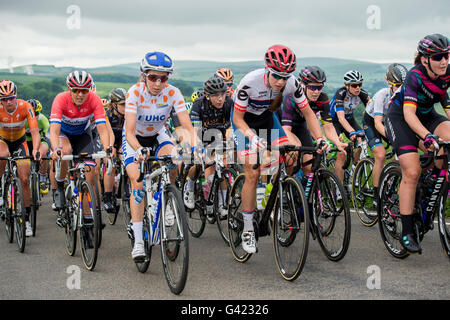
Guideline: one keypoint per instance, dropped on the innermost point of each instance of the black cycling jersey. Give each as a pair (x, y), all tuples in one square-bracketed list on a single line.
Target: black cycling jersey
[(292, 116), (117, 123), (210, 117)]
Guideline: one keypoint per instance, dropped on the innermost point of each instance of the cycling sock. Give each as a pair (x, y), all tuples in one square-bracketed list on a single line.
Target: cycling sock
[(137, 230), (407, 224), (248, 220)]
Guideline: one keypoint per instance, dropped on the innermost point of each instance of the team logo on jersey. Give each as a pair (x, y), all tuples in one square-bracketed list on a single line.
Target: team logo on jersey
[(31, 113), (162, 105)]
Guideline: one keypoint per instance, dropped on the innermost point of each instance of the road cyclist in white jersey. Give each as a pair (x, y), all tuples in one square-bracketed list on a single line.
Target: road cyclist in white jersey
[(258, 96), (147, 107), (373, 120)]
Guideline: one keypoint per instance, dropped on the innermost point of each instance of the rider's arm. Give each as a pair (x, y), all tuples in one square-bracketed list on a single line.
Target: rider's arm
[(45, 125), (103, 132), (130, 130), (293, 139), (186, 124), (311, 120), (378, 120), (34, 129), (343, 121), (100, 121)]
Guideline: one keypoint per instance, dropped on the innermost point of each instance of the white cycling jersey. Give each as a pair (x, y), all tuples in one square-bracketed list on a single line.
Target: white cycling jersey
[(379, 104), (152, 111)]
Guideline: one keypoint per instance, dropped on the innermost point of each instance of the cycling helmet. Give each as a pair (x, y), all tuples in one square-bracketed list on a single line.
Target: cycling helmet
[(156, 61), (214, 85), (104, 102), (433, 44), (79, 79), (117, 94), (311, 74), (37, 106), (396, 73), (353, 76), (280, 59), (197, 95), (7, 89), (226, 74)]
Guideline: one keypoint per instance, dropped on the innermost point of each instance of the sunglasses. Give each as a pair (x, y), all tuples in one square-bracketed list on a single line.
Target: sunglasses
[(439, 56), (230, 84), (278, 77), (356, 85), (154, 78), (315, 88), (8, 98), (395, 84), (77, 91)]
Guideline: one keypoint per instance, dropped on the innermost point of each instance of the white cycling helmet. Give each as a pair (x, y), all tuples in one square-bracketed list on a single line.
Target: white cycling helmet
[(353, 76)]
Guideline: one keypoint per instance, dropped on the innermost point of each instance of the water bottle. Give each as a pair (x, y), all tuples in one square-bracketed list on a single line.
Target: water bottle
[(269, 188), (260, 193)]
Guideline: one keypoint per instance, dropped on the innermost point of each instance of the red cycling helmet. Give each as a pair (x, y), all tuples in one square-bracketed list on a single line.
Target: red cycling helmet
[(280, 59), (79, 79)]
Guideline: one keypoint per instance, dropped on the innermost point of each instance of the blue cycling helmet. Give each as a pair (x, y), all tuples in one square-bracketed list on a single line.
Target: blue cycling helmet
[(156, 61)]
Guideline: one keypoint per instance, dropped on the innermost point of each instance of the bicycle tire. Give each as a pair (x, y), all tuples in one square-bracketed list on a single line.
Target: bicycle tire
[(98, 205), (235, 221), (89, 247), (228, 175), (126, 194), (19, 215), (331, 216), (196, 217), (389, 213), (176, 245), (143, 266), (34, 206), (291, 223), (9, 220), (362, 190), (444, 220), (71, 206)]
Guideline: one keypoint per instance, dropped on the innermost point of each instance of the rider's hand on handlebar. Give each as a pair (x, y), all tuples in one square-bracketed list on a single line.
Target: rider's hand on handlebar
[(57, 153), (431, 142), (258, 143), (141, 154), (323, 145), (342, 146)]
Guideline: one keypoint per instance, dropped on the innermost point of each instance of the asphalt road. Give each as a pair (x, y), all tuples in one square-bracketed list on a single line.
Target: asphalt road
[(45, 271)]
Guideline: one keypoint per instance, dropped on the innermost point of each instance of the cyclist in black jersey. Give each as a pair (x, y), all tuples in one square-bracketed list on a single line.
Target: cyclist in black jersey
[(345, 100), (116, 116), (210, 116), (294, 124)]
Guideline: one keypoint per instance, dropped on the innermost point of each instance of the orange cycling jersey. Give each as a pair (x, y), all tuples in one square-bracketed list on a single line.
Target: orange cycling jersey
[(12, 125)]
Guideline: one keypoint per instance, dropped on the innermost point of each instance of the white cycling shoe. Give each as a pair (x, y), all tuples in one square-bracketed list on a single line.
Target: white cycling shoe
[(249, 241)]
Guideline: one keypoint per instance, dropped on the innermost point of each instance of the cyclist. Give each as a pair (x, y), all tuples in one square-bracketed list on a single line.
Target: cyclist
[(373, 120), (412, 117), (13, 115), (43, 126), (116, 115), (147, 107), (70, 131), (197, 95), (227, 76), (345, 100), (293, 121), (258, 96), (213, 112)]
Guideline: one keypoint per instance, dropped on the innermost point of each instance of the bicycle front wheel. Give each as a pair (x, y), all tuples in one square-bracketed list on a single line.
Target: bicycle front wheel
[(174, 238), (34, 186), (444, 220), (126, 194), (90, 225), (291, 230), (363, 193), (196, 217), (19, 214), (9, 219), (70, 209), (331, 214)]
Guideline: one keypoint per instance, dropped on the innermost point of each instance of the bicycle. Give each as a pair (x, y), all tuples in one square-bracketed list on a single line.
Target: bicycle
[(13, 209), (164, 222), (80, 209), (207, 201), (362, 188), (290, 222), (117, 185), (432, 195)]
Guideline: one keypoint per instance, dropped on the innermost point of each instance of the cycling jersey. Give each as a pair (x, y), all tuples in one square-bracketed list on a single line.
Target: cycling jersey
[(12, 125), (206, 116), (254, 97), (344, 101), (43, 126), (152, 111), (117, 124), (421, 92), (75, 120), (292, 116), (379, 104)]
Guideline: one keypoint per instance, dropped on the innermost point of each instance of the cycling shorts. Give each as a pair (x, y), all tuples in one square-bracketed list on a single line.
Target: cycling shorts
[(18, 145), (374, 138)]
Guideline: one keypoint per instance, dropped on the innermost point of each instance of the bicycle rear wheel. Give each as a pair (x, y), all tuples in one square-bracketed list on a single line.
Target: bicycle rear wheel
[(196, 217), (291, 230), (363, 193), (444, 220), (390, 224), (70, 209), (9, 219), (19, 214), (236, 221), (90, 225), (174, 239), (228, 175), (331, 215)]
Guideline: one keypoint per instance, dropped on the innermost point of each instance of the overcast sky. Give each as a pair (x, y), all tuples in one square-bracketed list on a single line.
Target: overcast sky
[(114, 32)]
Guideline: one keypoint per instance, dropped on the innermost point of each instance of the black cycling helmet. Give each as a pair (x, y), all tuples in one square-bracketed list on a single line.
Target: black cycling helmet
[(311, 74), (214, 85), (396, 73), (433, 44), (117, 94)]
